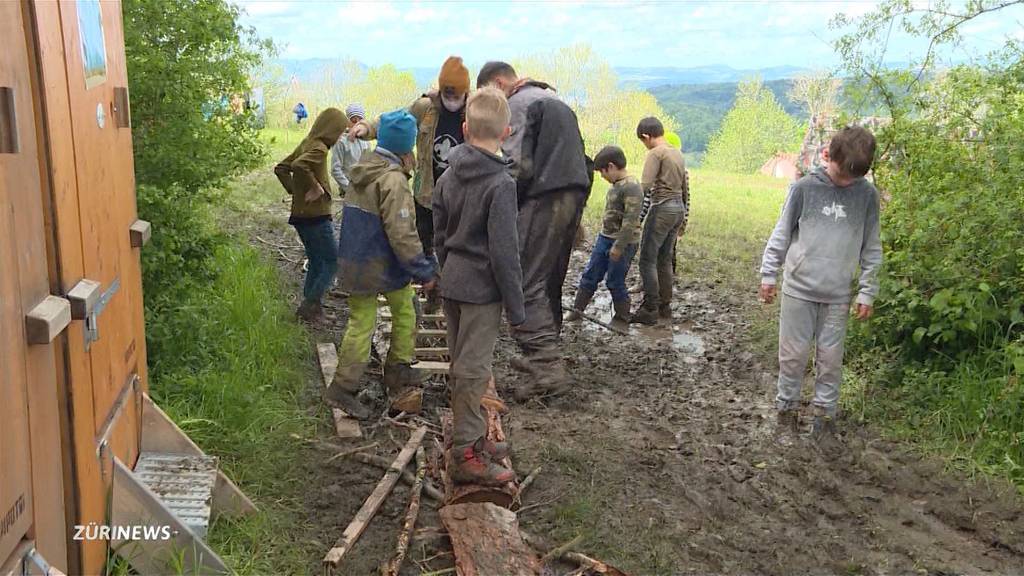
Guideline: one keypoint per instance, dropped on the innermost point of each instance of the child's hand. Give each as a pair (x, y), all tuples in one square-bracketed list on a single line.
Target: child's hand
[(615, 254), (767, 293), (315, 192), (357, 131), (864, 311)]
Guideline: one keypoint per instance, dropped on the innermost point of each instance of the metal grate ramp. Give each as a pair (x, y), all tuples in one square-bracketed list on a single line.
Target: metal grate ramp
[(184, 483)]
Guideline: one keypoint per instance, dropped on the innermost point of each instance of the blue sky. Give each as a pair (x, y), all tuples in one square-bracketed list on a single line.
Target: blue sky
[(743, 34)]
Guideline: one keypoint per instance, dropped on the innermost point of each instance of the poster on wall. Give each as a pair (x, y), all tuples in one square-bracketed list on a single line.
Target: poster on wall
[(94, 50)]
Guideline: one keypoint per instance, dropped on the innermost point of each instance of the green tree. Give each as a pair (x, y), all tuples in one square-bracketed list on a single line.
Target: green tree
[(753, 131)]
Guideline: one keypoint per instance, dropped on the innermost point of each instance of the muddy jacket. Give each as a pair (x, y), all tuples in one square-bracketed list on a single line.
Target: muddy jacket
[(308, 163), (426, 110), (379, 250), (551, 155), (622, 212), (475, 235), (824, 234)]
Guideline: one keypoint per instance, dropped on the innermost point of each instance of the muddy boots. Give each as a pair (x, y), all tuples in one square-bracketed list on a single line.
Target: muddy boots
[(665, 311), (583, 298), (309, 311), (342, 392), (398, 377), (474, 465), (646, 315), (620, 321), (787, 427), (542, 377), (823, 430)]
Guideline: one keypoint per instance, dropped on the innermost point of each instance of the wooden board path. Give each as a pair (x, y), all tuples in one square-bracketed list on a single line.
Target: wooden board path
[(344, 425)]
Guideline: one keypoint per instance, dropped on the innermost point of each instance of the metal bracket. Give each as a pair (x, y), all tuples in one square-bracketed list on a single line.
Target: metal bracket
[(92, 327)]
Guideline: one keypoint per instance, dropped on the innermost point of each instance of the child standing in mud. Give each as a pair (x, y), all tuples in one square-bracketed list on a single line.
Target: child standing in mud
[(829, 227), (303, 173), (477, 243), (380, 253), (616, 245)]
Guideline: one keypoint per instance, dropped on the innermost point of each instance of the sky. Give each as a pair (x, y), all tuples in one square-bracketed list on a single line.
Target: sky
[(742, 34)]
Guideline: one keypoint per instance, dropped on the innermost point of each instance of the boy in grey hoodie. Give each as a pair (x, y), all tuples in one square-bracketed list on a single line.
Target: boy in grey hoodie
[(477, 245), (829, 227)]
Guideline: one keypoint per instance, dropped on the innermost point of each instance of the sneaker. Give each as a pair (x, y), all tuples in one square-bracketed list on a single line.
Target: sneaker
[(338, 397), (474, 466)]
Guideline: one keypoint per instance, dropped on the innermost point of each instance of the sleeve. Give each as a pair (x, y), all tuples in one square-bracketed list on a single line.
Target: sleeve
[(870, 254), (398, 215), (440, 212), (778, 244), (284, 176), (632, 204), (339, 155), (512, 147), (503, 247), (652, 165)]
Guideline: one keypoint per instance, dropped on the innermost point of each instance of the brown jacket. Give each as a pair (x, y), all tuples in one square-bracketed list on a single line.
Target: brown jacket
[(425, 110), (308, 163)]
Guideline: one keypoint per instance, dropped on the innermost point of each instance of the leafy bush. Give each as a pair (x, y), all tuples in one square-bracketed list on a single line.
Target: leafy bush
[(752, 132)]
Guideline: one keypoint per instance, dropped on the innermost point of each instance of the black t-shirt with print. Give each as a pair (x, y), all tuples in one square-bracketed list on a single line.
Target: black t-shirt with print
[(447, 135)]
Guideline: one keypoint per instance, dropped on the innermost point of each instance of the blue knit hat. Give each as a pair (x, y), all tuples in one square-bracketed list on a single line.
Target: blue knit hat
[(396, 132)]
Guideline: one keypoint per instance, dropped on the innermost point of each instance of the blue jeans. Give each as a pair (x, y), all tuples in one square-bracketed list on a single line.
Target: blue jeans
[(322, 251), (600, 267)]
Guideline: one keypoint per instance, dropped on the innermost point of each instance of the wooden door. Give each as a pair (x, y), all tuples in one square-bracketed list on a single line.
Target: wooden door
[(31, 464), (82, 60)]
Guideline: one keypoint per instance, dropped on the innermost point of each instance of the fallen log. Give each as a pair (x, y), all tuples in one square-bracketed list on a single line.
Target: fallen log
[(486, 541), (392, 568), (362, 518), (462, 493), (428, 487)]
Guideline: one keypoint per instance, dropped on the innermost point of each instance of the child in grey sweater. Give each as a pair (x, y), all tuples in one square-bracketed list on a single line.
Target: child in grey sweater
[(828, 229)]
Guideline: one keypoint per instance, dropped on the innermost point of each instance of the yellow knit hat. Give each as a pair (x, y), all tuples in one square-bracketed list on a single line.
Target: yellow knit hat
[(454, 74)]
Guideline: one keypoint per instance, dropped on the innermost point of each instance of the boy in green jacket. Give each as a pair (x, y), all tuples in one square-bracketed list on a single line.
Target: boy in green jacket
[(303, 173), (380, 253)]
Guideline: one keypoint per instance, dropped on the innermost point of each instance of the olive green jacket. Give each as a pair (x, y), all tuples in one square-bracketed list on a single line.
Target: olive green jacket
[(425, 110), (309, 163)]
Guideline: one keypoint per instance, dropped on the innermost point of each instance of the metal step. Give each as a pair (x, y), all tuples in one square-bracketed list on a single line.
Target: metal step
[(183, 482)]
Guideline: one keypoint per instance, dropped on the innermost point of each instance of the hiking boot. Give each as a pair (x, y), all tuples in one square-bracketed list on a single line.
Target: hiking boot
[(309, 311), (823, 431), (665, 311), (620, 321), (787, 426), (583, 298), (546, 380), (474, 466), (645, 315), (346, 400), (496, 450), (399, 376)]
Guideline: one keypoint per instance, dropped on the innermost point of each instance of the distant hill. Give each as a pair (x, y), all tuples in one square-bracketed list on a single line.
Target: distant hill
[(700, 108)]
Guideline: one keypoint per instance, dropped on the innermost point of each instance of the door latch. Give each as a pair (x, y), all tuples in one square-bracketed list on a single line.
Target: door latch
[(87, 305)]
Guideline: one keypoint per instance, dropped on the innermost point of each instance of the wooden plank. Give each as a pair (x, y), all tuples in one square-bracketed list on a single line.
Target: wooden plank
[(135, 505), (485, 540), (385, 314), (427, 367), (344, 425), (434, 352), (161, 434), (47, 319), (372, 504)]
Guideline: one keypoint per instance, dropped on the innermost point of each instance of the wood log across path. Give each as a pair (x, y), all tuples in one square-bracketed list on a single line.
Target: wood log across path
[(486, 541)]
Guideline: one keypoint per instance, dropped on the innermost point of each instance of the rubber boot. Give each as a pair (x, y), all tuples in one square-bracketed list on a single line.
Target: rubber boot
[(343, 389), (823, 431), (647, 315), (620, 321), (474, 466), (583, 298), (398, 377), (787, 426)]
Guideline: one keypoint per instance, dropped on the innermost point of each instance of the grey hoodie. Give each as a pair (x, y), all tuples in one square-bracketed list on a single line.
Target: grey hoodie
[(824, 234), (475, 234)]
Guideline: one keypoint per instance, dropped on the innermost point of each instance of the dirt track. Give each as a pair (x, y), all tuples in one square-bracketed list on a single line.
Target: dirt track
[(664, 459)]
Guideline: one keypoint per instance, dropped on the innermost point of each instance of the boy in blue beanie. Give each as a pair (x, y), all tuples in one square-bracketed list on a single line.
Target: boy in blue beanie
[(380, 253)]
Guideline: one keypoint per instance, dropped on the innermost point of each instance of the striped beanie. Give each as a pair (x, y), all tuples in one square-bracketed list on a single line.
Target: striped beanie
[(355, 110)]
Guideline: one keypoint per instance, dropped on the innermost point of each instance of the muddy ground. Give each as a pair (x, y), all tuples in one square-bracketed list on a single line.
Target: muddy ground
[(663, 458)]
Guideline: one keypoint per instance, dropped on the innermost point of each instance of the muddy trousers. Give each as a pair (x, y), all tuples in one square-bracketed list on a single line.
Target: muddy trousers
[(322, 251), (362, 320), (547, 228), (801, 325), (601, 267), (472, 332), (657, 251)]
